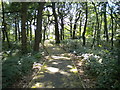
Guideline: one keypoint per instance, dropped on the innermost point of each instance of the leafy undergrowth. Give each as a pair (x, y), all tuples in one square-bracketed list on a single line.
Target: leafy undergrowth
[(16, 66), (100, 63)]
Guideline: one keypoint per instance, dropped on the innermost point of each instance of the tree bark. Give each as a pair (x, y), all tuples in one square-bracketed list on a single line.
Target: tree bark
[(16, 29), (19, 33), (56, 24), (31, 30), (23, 27), (75, 25), (94, 37), (27, 29), (3, 23), (83, 34), (44, 32), (80, 27), (38, 31), (62, 28), (105, 23), (97, 23), (70, 27), (112, 27)]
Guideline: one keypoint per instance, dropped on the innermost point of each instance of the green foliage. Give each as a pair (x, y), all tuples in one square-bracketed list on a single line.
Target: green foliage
[(17, 66), (100, 63)]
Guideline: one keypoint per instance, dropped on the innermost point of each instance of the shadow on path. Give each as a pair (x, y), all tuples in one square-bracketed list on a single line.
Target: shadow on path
[(58, 72)]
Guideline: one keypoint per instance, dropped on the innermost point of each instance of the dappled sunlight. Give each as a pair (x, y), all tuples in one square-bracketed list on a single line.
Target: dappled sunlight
[(81, 71), (80, 63), (89, 57), (38, 76), (47, 57), (74, 70), (47, 84), (69, 66), (60, 57), (54, 63), (86, 55), (64, 73), (66, 55), (37, 65), (38, 85), (52, 69), (56, 48)]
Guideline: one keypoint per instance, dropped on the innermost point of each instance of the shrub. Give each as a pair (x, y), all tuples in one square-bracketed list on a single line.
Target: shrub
[(15, 67)]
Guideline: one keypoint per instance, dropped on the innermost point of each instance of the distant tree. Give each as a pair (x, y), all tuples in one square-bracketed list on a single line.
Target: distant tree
[(75, 24), (4, 28), (16, 29)]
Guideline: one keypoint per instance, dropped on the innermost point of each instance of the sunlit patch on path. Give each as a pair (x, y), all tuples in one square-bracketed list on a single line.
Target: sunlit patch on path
[(58, 71)]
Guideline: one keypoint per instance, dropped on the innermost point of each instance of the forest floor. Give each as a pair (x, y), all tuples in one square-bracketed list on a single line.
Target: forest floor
[(58, 71)]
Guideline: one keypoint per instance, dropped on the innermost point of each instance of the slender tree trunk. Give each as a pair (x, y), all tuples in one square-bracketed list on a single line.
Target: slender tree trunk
[(27, 29), (4, 27), (56, 24), (70, 27), (15, 29), (105, 23), (38, 31), (101, 22), (80, 27), (3, 23), (19, 33), (112, 28), (23, 27), (83, 34), (62, 28), (94, 37), (6, 34), (75, 25), (97, 23), (31, 30), (44, 32)]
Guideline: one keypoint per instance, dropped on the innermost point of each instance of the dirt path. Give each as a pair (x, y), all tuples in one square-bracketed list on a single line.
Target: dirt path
[(58, 71)]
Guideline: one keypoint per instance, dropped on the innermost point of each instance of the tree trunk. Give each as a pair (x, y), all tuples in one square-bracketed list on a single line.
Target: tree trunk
[(56, 24), (31, 30), (112, 28), (27, 29), (44, 32), (94, 37), (19, 33), (62, 28), (3, 31), (105, 23), (38, 31), (15, 29), (23, 27), (70, 27), (4, 27), (80, 27), (97, 23), (75, 25), (6, 34), (83, 34)]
